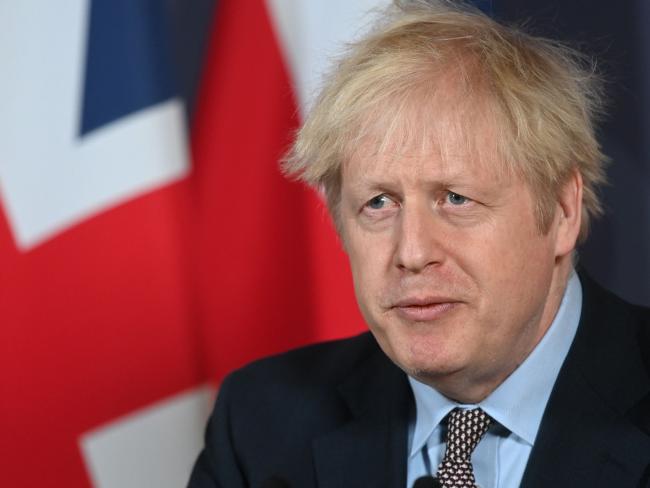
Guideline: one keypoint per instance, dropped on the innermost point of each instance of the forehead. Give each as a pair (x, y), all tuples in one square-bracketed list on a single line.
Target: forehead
[(445, 131)]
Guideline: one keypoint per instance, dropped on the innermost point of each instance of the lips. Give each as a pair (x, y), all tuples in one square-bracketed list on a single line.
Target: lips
[(424, 309)]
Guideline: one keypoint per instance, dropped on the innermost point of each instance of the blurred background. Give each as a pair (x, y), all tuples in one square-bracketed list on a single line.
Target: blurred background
[(148, 243)]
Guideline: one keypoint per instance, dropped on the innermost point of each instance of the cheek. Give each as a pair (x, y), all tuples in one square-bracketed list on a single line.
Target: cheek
[(367, 252), (517, 246), (367, 278), (509, 263), (517, 285), (370, 263), (360, 264)]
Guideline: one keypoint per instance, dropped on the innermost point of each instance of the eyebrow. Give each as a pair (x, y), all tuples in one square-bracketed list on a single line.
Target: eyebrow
[(368, 182)]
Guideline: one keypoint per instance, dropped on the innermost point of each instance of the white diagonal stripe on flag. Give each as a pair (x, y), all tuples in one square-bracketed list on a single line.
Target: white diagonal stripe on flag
[(312, 34), (50, 179), (156, 446)]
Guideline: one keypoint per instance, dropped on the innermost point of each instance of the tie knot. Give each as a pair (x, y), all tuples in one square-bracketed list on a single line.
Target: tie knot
[(465, 428)]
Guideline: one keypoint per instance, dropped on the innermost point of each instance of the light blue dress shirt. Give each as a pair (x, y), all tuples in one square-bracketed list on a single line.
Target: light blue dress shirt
[(517, 405)]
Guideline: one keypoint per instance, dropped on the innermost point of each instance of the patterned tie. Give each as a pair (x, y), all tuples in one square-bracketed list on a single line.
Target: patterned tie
[(465, 428)]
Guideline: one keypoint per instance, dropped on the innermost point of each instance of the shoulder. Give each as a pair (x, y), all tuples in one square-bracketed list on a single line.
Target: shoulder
[(612, 327), (308, 375), (602, 305), (642, 317), (322, 362), (268, 413)]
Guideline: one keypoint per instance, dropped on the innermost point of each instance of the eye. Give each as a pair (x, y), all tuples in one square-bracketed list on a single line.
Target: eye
[(456, 199), (379, 202), (380, 207)]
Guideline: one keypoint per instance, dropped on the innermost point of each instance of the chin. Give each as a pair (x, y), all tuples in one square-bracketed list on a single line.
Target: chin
[(426, 373), (426, 365), (421, 349)]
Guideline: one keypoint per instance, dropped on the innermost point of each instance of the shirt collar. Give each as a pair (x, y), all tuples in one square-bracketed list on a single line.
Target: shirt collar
[(519, 402)]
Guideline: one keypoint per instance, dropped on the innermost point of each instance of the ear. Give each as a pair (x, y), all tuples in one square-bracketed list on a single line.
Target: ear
[(569, 214)]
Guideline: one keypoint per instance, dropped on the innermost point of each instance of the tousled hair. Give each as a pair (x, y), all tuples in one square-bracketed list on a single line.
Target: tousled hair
[(539, 99)]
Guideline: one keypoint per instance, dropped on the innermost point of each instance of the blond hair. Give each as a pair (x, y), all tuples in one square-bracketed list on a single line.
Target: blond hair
[(542, 98)]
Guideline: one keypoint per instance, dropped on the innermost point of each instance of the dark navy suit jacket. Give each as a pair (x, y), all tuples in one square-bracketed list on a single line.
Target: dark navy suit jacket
[(337, 414)]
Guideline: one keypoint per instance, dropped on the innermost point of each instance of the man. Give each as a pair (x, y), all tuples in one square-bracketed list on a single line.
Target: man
[(459, 163)]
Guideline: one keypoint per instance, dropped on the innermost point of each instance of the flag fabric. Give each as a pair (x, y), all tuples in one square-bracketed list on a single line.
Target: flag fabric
[(96, 309), (272, 273), (130, 278)]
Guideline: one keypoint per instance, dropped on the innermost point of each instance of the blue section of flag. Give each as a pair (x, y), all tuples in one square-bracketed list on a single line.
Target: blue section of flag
[(128, 61)]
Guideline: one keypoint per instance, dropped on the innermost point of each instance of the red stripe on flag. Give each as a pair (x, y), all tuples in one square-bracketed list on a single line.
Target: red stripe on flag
[(271, 273), (95, 324)]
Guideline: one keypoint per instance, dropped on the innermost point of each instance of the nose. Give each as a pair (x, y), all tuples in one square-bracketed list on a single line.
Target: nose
[(418, 239)]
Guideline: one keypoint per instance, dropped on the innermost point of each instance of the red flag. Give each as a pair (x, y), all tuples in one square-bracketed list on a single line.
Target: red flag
[(95, 299), (271, 272), (124, 281)]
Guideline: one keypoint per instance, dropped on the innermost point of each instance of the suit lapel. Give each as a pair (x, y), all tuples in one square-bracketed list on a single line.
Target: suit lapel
[(370, 449), (590, 433)]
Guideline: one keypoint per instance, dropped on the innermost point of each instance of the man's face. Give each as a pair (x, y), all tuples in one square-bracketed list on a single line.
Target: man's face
[(451, 272)]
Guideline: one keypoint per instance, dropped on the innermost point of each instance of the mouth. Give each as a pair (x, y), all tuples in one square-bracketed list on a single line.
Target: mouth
[(424, 310)]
